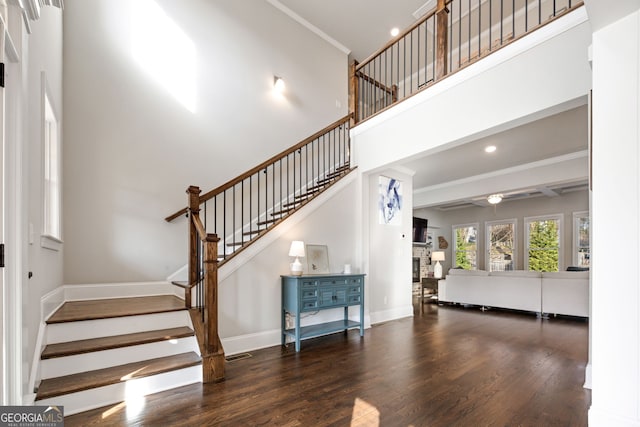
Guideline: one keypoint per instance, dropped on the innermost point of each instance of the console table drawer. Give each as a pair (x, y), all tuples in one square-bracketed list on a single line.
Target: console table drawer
[(355, 299), (333, 282), (354, 290), (305, 284), (311, 304), (309, 293)]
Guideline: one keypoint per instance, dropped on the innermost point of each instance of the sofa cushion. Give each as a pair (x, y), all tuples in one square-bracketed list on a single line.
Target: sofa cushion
[(461, 272), (517, 273), (565, 275)]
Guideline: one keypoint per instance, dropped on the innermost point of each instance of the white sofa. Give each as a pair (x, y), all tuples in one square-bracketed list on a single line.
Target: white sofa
[(555, 293), (566, 292)]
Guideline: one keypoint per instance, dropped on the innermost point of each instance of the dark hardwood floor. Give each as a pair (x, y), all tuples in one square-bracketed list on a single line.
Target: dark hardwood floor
[(447, 366)]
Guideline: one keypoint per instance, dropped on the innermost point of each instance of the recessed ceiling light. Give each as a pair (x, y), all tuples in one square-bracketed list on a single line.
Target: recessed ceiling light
[(395, 31), (489, 148)]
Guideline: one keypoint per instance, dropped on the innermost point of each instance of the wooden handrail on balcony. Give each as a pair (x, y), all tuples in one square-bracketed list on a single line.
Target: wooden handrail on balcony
[(452, 36)]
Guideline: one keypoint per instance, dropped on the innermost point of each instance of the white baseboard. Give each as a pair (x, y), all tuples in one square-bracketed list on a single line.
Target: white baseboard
[(391, 314), (250, 342), (120, 290), (587, 377), (604, 418)]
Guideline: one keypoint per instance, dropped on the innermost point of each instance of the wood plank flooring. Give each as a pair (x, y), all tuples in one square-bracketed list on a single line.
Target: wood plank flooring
[(447, 366)]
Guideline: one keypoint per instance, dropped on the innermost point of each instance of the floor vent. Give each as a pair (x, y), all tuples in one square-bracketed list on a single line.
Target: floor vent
[(237, 357)]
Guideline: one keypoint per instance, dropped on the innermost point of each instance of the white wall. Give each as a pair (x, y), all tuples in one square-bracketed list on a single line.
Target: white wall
[(566, 205), (461, 108), (250, 298), (388, 250), (616, 228), (39, 51), (467, 105), (134, 143)]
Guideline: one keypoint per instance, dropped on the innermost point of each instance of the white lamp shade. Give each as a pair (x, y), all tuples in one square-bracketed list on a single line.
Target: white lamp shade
[(297, 248), (437, 256)]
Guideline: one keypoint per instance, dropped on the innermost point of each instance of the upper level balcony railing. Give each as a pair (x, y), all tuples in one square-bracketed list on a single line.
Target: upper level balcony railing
[(454, 35)]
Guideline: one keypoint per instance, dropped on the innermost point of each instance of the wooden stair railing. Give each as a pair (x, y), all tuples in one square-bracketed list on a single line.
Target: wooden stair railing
[(203, 275), (225, 221), (244, 208)]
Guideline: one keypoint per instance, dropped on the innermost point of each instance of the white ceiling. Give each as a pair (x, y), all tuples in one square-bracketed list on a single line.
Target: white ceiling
[(362, 26), (549, 137)]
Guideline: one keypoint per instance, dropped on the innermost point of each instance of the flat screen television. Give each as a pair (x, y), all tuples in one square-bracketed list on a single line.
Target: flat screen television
[(420, 230)]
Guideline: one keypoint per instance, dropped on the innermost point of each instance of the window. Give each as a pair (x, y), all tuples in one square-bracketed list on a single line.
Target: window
[(51, 154), (581, 239), (501, 244), (465, 242), (543, 243)]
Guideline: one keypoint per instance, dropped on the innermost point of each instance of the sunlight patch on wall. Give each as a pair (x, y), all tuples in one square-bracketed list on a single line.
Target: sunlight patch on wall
[(164, 51)]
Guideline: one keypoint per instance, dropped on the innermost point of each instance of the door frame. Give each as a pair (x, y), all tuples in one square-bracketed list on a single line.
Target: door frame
[(12, 209)]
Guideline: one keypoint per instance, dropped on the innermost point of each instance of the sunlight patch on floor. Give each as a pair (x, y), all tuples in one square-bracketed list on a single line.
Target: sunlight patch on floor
[(364, 414)]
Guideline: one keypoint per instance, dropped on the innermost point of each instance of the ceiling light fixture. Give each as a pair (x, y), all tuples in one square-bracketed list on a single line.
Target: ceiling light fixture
[(489, 148), (395, 31), (494, 199)]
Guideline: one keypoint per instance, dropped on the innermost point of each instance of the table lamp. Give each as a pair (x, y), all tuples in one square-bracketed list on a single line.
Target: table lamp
[(296, 250), (437, 256)]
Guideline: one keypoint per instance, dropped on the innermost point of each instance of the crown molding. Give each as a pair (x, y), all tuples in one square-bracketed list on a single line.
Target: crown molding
[(308, 25)]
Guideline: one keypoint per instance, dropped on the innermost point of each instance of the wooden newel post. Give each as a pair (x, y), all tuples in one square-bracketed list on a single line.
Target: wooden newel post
[(442, 39), (211, 292), (194, 241), (353, 93)]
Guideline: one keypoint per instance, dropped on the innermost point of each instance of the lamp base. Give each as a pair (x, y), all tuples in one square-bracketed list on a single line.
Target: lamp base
[(296, 268), (437, 270)]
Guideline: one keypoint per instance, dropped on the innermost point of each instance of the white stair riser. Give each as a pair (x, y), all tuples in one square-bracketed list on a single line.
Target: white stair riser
[(87, 329), (131, 392), (68, 365)]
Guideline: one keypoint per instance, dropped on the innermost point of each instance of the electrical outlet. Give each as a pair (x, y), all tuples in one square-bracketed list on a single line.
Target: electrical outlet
[(385, 300)]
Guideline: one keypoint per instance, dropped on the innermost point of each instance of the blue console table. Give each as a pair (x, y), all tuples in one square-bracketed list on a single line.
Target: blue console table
[(304, 294)]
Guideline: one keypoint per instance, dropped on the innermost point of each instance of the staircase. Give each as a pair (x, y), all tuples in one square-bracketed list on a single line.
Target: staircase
[(104, 351), (101, 352)]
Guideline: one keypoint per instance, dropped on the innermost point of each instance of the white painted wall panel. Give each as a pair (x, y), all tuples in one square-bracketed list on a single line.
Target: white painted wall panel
[(161, 95)]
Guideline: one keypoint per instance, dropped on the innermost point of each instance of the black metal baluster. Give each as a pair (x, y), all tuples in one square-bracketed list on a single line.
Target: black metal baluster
[(479, 27), (490, 18), (469, 35), (501, 21), (459, 33), (539, 12)]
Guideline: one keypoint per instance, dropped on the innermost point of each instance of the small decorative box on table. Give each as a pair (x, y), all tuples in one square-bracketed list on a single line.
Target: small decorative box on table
[(303, 294)]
